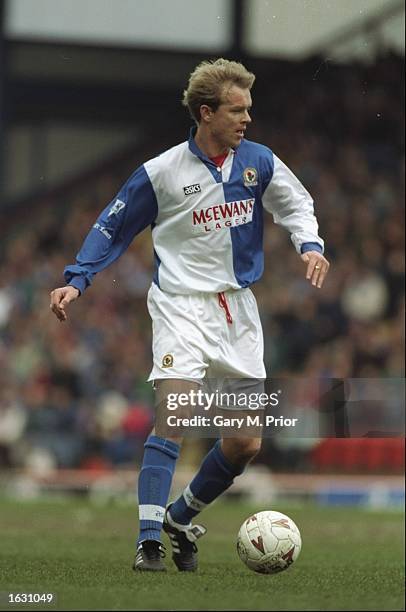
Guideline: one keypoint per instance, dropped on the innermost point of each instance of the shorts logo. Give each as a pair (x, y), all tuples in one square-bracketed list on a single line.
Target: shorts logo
[(167, 361), (250, 177), (191, 189)]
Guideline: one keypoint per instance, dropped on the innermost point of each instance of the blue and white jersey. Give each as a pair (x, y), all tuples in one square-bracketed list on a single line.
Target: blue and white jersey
[(206, 221)]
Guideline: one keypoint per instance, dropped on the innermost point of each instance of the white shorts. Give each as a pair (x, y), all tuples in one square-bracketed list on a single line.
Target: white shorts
[(192, 338)]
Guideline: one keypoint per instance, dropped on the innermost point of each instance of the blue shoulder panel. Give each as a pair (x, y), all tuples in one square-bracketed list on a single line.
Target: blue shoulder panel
[(250, 176)]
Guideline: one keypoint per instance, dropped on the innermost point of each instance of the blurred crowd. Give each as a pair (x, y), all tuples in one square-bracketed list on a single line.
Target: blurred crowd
[(75, 394)]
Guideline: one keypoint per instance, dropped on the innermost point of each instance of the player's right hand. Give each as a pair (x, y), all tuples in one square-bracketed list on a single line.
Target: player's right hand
[(60, 298)]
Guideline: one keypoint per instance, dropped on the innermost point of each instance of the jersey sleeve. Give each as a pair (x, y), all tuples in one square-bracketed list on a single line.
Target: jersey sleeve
[(292, 208), (134, 208)]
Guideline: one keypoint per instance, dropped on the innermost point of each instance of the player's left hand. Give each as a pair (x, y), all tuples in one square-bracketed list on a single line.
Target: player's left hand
[(317, 267)]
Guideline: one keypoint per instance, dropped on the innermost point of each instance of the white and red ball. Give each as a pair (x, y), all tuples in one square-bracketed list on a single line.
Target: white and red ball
[(268, 542)]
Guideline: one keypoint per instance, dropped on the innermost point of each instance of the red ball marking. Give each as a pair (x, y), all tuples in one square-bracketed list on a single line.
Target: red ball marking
[(288, 556), (259, 544)]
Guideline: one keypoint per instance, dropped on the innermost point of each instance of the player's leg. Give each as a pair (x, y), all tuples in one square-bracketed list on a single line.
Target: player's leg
[(225, 461), (155, 479)]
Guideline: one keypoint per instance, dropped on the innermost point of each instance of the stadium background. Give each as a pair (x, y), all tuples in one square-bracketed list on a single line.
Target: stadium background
[(90, 92)]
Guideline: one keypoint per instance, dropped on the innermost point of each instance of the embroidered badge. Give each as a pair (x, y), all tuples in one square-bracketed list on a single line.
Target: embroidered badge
[(167, 361), (250, 177)]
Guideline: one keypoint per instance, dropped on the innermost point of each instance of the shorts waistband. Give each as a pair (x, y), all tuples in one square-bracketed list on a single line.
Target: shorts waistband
[(229, 293)]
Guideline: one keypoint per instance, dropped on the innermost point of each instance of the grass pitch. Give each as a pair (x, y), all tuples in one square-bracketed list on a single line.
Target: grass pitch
[(351, 560)]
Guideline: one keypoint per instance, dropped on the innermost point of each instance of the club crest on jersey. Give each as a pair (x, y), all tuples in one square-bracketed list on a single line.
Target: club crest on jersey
[(167, 361), (250, 177), (191, 189)]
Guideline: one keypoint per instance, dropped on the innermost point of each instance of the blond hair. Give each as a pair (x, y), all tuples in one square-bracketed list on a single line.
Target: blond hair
[(207, 81)]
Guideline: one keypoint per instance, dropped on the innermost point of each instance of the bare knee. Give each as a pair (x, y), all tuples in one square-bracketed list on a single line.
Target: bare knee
[(168, 390), (240, 451)]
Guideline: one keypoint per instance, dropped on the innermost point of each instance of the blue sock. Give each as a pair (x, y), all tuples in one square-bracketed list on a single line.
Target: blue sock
[(215, 475), (154, 484)]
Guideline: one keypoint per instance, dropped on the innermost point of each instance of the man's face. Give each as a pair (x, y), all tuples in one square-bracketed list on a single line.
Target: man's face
[(228, 123)]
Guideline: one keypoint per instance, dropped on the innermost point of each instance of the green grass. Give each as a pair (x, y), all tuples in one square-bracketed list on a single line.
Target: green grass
[(350, 560)]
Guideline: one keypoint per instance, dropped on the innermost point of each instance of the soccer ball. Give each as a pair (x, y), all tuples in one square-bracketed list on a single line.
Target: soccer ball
[(268, 542)]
